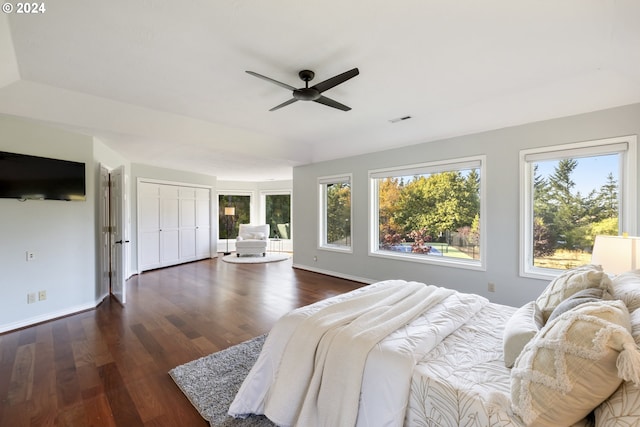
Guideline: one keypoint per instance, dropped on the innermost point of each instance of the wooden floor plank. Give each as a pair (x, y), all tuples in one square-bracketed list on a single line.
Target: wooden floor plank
[(109, 366)]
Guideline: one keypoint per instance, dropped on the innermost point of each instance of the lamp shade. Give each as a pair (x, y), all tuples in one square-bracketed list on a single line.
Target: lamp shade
[(616, 254), (229, 210)]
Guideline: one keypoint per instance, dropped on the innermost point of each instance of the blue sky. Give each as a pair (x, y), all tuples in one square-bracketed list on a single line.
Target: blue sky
[(590, 174)]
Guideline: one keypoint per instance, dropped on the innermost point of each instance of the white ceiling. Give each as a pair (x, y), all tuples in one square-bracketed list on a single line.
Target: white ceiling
[(164, 83)]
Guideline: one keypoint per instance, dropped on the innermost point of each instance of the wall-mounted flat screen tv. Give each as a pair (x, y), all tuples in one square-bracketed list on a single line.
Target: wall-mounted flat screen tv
[(30, 177)]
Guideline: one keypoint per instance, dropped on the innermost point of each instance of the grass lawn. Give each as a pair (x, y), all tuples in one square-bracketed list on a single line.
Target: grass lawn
[(450, 251), (563, 259)]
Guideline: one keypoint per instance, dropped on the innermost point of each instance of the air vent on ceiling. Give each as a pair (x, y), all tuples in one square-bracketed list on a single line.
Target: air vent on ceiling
[(399, 119)]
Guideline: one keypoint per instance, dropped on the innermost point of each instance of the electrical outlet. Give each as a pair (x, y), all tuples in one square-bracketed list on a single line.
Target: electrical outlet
[(31, 256), (42, 295), (491, 287), (31, 297), (315, 258)]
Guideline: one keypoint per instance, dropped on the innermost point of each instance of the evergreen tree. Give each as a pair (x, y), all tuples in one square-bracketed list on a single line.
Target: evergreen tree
[(608, 198), (567, 209)]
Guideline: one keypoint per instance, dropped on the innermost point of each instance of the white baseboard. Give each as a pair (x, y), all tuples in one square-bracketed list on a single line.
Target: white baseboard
[(335, 274), (48, 316)]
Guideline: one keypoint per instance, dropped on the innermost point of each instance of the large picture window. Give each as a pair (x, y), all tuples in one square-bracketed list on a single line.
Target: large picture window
[(572, 193), (228, 225), (430, 212), (278, 215), (335, 212)]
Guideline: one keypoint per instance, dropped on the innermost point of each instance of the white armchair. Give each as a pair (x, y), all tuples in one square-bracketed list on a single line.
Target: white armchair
[(252, 239)]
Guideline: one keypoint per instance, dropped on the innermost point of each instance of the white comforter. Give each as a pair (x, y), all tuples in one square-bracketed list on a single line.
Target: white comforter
[(349, 360)]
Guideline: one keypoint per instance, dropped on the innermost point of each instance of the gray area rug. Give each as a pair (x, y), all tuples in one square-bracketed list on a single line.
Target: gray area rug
[(256, 259), (211, 382)]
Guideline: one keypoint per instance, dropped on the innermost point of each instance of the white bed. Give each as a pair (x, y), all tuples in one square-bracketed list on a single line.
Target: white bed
[(444, 368)]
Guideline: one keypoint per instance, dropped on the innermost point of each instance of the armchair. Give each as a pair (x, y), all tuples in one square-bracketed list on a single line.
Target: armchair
[(252, 239)]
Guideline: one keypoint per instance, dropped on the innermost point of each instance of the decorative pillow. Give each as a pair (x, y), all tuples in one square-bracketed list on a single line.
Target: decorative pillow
[(622, 408), (570, 282), (626, 286), (523, 325), (635, 325), (580, 297), (255, 236), (574, 364)]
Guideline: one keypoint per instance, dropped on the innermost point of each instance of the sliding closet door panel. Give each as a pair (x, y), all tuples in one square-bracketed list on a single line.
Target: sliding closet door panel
[(149, 250), (188, 244), (149, 225), (187, 223), (203, 223), (169, 225)]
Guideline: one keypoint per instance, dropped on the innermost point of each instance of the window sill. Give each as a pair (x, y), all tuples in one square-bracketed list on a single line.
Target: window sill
[(430, 259)]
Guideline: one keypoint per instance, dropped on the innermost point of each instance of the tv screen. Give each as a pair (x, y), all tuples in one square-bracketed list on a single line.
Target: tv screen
[(30, 177)]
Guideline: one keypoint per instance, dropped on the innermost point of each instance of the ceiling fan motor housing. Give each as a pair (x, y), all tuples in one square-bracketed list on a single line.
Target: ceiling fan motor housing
[(306, 94)]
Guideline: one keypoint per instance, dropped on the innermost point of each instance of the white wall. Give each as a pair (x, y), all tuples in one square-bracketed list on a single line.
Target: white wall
[(61, 234), (502, 178)]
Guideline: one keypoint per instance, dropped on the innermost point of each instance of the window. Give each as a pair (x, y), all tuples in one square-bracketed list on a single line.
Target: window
[(335, 213), (278, 215), (228, 224), (430, 212), (570, 194)]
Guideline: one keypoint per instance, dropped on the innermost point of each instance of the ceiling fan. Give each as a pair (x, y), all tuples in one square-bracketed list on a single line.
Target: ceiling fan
[(313, 93)]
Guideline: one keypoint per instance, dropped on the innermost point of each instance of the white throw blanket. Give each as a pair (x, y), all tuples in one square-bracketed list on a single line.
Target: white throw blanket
[(319, 357)]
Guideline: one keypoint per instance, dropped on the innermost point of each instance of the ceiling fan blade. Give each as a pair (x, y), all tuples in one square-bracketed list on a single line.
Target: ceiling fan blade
[(331, 103), (260, 76), (284, 104), (336, 80)]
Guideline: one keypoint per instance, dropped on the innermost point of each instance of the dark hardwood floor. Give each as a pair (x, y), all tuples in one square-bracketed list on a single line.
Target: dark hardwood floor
[(108, 366)]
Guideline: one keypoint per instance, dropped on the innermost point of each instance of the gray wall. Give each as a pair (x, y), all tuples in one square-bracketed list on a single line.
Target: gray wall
[(63, 235), (501, 148)]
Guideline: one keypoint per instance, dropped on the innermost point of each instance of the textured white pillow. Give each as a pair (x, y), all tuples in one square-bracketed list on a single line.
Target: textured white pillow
[(622, 408), (573, 364), (570, 282), (626, 286), (523, 325)]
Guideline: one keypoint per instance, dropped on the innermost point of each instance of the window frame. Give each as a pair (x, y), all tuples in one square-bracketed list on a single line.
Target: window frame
[(323, 182), (447, 165), (626, 196)]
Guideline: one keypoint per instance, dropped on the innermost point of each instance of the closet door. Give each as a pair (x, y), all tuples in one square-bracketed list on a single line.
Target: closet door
[(203, 223), (149, 225), (169, 225), (187, 224)]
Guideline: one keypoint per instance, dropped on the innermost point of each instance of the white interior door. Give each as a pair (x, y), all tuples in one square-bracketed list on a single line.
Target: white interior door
[(105, 234), (120, 241)]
